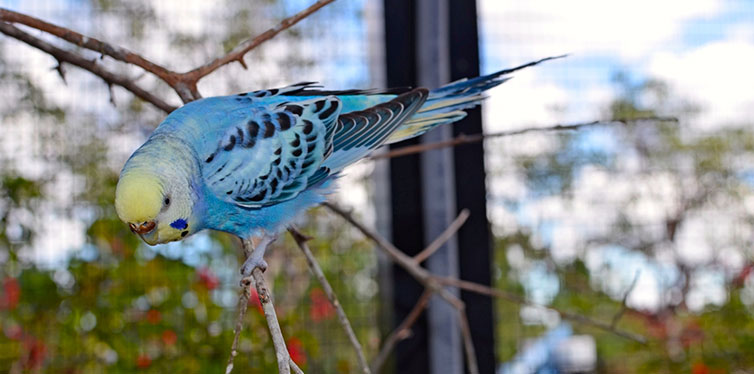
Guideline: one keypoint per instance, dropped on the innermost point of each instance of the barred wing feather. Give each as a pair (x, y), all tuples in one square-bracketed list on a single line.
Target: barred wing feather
[(270, 156)]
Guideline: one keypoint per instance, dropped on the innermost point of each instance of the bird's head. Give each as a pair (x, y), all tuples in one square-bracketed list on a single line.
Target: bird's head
[(156, 207)]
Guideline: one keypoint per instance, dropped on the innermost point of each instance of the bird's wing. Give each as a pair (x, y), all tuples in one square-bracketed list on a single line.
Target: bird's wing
[(281, 149), (359, 133), (270, 155)]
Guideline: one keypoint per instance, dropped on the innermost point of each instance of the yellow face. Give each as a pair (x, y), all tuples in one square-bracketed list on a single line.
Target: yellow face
[(152, 209)]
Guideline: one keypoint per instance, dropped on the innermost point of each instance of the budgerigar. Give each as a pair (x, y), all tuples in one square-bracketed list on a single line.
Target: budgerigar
[(249, 163)]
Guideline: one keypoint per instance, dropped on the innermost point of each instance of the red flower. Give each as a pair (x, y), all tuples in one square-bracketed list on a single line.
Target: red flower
[(11, 293), (207, 278), (699, 368), (154, 316), (143, 361), (36, 350), (321, 309), (169, 337), (296, 350), (254, 299)]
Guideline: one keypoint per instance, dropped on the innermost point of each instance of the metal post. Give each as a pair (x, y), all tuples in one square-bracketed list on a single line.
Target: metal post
[(438, 192), (475, 239), (425, 43), (407, 226)]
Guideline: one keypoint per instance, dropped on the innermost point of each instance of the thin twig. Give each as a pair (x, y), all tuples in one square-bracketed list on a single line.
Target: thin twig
[(116, 52), (243, 303), (435, 282), (468, 343), (465, 139), (420, 274), (90, 65), (301, 240), (485, 290), (460, 307), (623, 305), (402, 331), (444, 237), (237, 53), (184, 84), (281, 351), (295, 367), (406, 262)]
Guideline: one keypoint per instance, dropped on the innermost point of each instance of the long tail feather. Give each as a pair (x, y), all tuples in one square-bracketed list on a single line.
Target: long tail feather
[(447, 103)]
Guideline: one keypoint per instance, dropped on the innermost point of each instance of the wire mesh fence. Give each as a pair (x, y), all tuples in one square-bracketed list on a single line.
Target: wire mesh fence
[(577, 215)]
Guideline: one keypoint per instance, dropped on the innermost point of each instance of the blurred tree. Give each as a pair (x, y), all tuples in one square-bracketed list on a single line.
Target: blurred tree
[(665, 201)]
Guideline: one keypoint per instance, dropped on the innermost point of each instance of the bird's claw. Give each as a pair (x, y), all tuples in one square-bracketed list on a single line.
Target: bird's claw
[(252, 263)]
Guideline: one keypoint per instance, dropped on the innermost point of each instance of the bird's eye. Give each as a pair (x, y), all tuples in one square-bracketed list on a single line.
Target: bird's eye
[(167, 201)]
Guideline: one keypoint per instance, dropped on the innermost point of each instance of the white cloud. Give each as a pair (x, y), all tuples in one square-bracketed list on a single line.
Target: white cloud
[(524, 101), (629, 29), (716, 75)]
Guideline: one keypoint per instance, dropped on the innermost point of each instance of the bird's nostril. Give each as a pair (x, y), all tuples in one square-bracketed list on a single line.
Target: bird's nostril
[(146, 227)]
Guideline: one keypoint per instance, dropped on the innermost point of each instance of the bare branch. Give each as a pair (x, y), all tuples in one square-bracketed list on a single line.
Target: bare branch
[(184, 84), (485, 290), (443, 238), (295, 367), (468, 343), (623, 305), (61, 72), (243, 303), (435, 283), (401, 332), (301, 240), (420, 274), (118, 53), (237, 53), (406, 262), (466, 139), (281, 351), (92, 66)]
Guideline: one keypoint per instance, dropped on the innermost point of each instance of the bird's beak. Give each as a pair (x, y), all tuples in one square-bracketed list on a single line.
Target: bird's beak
[(143, 228)]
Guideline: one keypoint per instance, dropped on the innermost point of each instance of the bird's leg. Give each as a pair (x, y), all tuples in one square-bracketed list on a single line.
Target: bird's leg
[(256, 259)]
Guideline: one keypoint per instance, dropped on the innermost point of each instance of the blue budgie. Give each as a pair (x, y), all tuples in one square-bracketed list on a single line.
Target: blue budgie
[(249, 163)]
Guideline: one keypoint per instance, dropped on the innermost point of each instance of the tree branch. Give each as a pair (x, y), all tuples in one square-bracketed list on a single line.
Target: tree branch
[(237, 53), (118, 53), (301, 240), (420, 274), (90, 65), (401, 332), (281, 351), (623, 305), (435, 283), (184, 84), (466, 139), (243, 303), (584, 320), (443, 238)]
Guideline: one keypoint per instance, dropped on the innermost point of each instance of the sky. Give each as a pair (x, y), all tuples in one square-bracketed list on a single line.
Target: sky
[(703, 48)]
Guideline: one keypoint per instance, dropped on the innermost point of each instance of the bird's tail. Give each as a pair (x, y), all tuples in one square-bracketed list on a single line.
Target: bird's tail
[(448, 103)]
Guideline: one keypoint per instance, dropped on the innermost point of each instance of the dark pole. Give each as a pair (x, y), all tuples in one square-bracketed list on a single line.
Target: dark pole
[(474, 238), (411, 355), (407, 213)]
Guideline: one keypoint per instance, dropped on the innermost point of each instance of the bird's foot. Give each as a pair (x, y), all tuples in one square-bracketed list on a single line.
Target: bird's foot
[(251, 263), (256, 259)]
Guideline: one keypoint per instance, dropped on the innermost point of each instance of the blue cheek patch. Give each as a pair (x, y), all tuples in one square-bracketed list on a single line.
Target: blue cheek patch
[(179, 224)]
